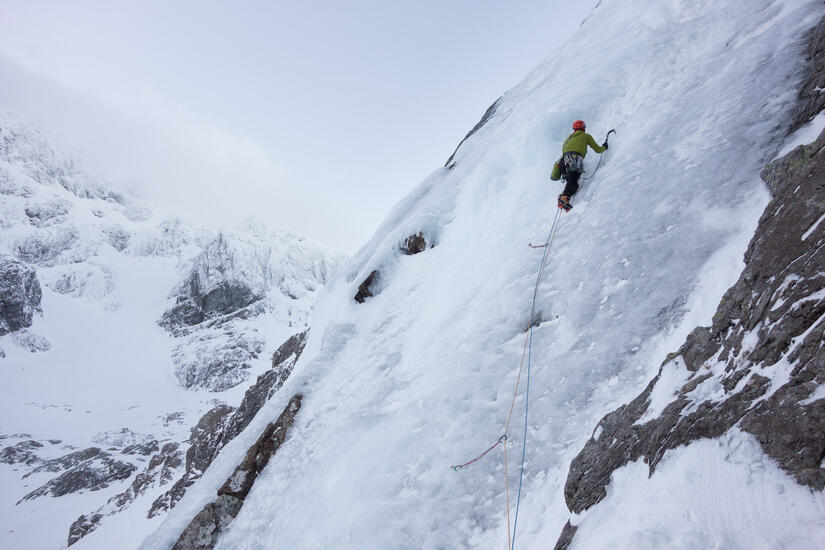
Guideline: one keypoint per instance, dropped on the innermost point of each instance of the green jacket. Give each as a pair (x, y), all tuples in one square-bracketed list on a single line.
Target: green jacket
[(578, 142)]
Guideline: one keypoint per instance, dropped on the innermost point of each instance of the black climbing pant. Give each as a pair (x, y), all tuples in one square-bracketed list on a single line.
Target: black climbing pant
[(572, 185)]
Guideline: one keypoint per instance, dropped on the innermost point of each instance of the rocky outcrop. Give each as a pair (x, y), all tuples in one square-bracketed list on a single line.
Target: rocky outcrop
[(566, 537), (225, 278), (365, 289), (20, 295), (760, 367), (21, 453), (160, 470), (206, 439), (216, 362), (488, 114), (82, 527), (811, 98), (283, 361), (414, 244), (222, 424), (203, 531), (90, 469)]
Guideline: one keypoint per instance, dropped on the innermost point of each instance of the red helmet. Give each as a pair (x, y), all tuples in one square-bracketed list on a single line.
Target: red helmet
[(578, 125)]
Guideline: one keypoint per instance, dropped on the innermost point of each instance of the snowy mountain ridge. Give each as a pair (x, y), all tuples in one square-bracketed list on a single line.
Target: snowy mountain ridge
[(121, 329)]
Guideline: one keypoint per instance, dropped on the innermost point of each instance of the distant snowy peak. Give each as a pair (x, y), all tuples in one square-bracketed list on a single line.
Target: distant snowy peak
[(55, 215), (26, 157), (241, 266)]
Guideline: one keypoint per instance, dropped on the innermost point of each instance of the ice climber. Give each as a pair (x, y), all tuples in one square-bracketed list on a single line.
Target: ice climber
[(571, 163)]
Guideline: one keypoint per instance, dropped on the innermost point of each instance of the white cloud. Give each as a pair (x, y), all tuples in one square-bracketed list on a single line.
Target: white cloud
[(167, 156)]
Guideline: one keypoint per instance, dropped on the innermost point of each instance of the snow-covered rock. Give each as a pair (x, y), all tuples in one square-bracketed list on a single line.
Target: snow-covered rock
[(90, 469), (20, 295)]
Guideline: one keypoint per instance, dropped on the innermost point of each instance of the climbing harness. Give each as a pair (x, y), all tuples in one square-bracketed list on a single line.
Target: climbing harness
[(525, 353)]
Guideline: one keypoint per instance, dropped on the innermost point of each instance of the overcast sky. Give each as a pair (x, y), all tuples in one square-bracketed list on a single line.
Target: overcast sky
[(315, 116)]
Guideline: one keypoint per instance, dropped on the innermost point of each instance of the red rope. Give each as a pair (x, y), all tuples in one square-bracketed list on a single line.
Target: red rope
[(479, 457)]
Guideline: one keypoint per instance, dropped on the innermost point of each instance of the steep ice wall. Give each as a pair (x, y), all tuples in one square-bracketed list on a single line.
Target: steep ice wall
[(420, 375)]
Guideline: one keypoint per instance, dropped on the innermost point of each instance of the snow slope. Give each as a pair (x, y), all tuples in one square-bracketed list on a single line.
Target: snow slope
[(96, 361), (420, 376)]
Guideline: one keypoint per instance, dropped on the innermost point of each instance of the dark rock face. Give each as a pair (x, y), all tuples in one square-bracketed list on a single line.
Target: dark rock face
[(414, 244), (196, 306), (216, 286), (218, 427), (764, 352), (67, 461), (82, 527), (160, 470), (811, 101), (20, 295), (206, 438), (21, 453), (566, 537), (365, 289), (488, 114), (93, 474), (144, 449), (203, 531), (283, 360)]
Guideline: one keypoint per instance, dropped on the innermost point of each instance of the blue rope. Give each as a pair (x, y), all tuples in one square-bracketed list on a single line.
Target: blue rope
[(529, 354)]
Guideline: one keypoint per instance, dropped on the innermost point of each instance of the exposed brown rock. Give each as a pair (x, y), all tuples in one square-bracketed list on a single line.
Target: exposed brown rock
[(365, 289), (215, 429), (414, 244), (203, 531), (566, 537)]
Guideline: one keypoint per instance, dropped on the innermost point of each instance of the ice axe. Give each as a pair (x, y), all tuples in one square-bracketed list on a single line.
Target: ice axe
[(607, 137)]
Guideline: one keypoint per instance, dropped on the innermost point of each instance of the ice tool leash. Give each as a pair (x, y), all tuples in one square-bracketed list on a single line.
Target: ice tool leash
[(526, 353)]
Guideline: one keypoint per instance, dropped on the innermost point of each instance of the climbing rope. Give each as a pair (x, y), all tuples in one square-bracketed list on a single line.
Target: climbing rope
[(606, 139), (526, 353), (594, 171), (529, 342)]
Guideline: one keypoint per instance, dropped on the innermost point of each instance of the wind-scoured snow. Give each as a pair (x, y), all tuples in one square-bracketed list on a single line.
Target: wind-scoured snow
[(722, 494), (420, 376)]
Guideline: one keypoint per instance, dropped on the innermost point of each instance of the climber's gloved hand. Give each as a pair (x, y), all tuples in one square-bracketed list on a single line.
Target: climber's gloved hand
[(604, 144)]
